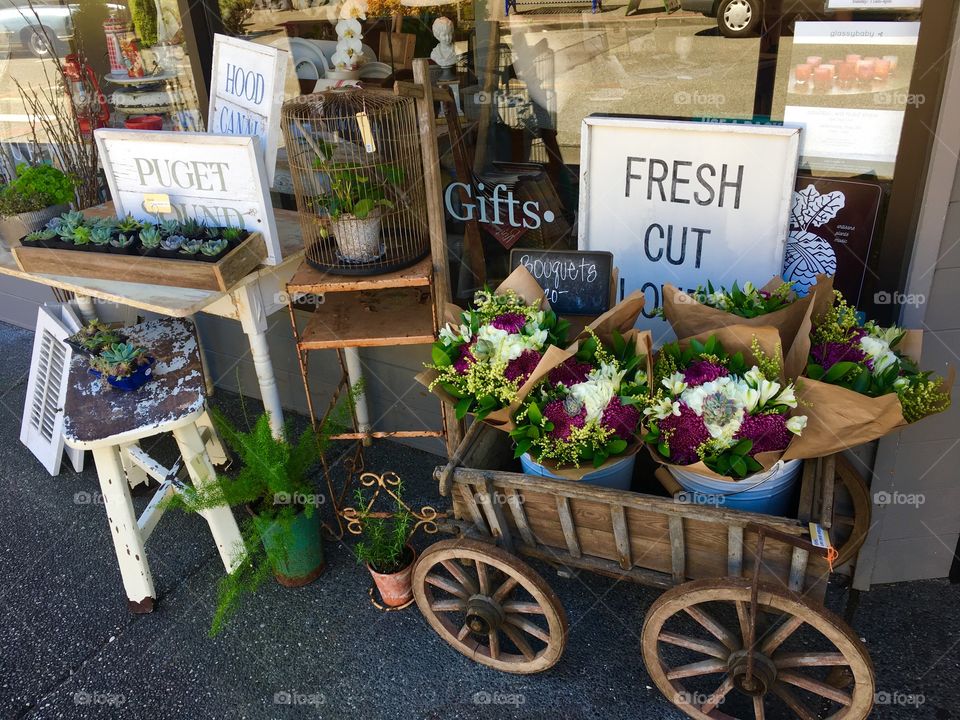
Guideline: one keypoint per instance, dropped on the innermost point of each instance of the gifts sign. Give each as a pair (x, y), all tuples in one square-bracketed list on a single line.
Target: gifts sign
[(683, 203)]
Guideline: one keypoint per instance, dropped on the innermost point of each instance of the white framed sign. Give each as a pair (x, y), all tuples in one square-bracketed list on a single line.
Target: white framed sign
[(685, 202), (246, 92), (874, 4), (218, 179)]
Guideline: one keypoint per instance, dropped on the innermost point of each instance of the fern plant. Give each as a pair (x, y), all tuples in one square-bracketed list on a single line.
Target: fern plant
[(385, 535)]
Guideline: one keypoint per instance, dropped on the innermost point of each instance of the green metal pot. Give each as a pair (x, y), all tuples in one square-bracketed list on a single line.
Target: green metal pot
[(298, 554)]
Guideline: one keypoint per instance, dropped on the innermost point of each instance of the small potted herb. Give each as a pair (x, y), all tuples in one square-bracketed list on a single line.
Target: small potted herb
[(124, 365), (385, 548), (170, 246), (37, 194), (94, 337), (213, 250), (190, 246), (150, 238)]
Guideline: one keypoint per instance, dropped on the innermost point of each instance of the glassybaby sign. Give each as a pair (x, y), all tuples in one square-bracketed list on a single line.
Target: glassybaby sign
[(683, 203), (218, 180)]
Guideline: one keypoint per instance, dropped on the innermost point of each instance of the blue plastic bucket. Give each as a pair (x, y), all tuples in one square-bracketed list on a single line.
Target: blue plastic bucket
[(769, 492), (617, 475)]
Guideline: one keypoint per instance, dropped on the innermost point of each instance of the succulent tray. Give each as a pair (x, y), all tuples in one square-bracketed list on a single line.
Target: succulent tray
[(217, 270)]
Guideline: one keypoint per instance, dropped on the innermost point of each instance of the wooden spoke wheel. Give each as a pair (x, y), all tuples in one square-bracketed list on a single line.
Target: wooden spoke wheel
[(851, 520), (807, 663), (490, 606)]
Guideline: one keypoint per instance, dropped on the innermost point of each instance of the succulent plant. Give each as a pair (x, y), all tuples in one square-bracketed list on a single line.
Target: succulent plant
[(170, 227), (191, 246), (101, 234), (214, 247), (192, 228), (150, 237), (40, 235), (231, 233), (128, 223), (172, 243), (211, 232), (72, 218), (80, 235), (122, 240), (120, 359)]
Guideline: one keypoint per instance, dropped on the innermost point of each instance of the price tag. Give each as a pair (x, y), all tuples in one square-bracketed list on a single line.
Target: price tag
[(156, 203), (819, 536), (366, 132)]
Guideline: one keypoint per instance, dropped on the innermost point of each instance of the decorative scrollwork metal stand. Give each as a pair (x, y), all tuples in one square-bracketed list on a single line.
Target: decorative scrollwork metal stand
[(426, 518)]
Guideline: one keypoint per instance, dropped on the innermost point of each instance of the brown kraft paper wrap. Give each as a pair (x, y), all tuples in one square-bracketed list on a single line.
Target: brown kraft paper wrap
[(621, 317), (643, 341), (689, 318)]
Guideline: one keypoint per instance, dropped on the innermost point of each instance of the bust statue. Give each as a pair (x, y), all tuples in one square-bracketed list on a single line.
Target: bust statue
[(444, 53)]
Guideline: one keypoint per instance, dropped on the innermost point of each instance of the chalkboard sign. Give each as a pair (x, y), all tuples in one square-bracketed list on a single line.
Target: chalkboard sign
[(575, 282)]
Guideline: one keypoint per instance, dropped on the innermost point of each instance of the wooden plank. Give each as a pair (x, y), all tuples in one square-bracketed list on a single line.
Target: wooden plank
[(485, 498), (677, 551), (515, 502), (798, 569), (826, 490), (310, 281), (566, 523), (219, 276), (599, 565), (353, 319), (618, 519), (734, 551), (808, 479), (470, 500), (496, 506)]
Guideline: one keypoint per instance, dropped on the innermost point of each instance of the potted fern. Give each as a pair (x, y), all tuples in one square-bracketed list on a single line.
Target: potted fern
[(281, 534), (385, 548)]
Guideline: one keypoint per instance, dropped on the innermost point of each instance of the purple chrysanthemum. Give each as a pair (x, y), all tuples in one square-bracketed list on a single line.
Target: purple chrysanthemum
[(511, 322), (620, 418), (829, 354), (522, 367), (685, 433), (703, 371), (570, 372), (466, 359), (768, 432), (563, 422)]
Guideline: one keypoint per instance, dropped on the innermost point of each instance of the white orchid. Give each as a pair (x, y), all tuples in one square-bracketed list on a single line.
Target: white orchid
[(353, 10), (796, 424), (675, 384), (349, 28)]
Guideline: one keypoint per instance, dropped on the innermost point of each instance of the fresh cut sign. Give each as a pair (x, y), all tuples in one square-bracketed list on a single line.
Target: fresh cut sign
[(683, 203)]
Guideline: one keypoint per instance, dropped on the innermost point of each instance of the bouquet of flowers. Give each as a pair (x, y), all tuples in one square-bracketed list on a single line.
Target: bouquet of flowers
[(875, 362), (587, 409), (481, 361), (719, 411), (775, 305)]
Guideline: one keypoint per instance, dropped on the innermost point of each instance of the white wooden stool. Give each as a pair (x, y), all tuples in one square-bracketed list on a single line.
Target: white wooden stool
[(113, 423)]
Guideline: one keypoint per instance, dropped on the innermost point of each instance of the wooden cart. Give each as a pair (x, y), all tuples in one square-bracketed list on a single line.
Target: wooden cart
[(741, 631)]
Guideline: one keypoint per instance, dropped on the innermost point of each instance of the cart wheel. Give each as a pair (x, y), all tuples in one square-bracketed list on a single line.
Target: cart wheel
[(490, 606), (807, 663), (848, 533)]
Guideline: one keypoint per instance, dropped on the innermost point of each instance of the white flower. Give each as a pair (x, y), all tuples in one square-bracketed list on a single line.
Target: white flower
[(749, 288), (878, 350), (448, 336), (754, 377), (537, 339), (349, 28), (663, 409), (341, 60), (498, 345), (750, 397), (354, 10), (717, 299), (675, 384), (787, 397), (535, 322), (768, 390), (598, 390), (720, 403), (796, 424), (900, 383)]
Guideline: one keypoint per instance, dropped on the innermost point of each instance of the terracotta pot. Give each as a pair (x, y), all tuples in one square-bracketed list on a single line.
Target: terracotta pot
[(144, 122), (395, 589)]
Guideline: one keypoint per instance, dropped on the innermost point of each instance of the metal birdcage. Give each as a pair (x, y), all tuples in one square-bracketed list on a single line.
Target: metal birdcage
[(357, 173)]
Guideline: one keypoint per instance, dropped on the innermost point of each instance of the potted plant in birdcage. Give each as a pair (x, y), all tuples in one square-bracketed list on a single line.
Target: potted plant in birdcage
[(275, 489), (385, 546), (124, 365), (353, 203), (37, 194)]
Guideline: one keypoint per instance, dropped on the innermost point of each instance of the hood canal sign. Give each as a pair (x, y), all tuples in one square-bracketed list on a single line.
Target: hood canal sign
[(685, 202)]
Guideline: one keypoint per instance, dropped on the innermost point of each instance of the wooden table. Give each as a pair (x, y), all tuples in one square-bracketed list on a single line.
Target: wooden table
[(251, 301)]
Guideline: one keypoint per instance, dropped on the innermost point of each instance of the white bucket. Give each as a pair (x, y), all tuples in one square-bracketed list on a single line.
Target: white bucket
[(358, 239), (767, 492)]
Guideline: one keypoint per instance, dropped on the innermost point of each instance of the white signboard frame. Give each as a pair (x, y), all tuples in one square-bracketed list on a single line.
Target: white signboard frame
[(218, 179), (874, 4), (720, 213), (246, 93)]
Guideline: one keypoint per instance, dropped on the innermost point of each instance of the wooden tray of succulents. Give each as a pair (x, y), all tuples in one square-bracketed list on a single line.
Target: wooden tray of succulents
[(185, 254)]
